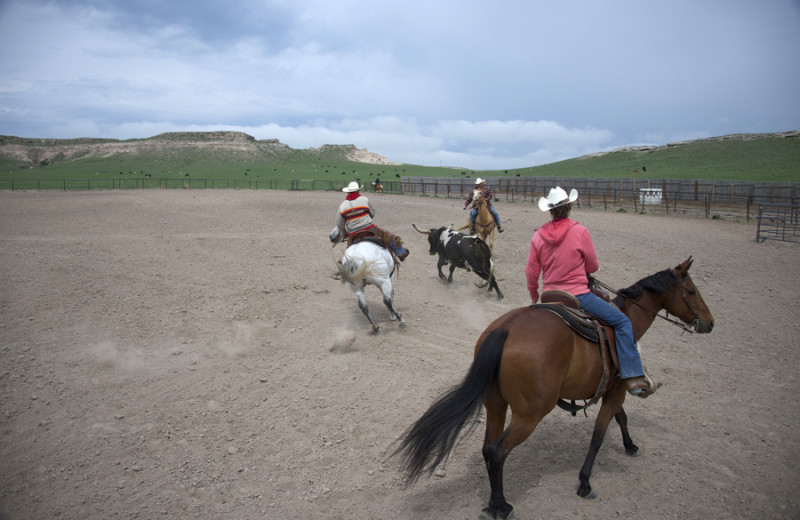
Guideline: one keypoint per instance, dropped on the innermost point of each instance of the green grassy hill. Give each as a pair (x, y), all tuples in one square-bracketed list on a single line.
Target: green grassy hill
[(751, 157), (239, 157)]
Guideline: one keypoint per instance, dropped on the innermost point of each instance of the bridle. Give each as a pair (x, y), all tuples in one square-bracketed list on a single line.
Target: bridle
[(690, 327)]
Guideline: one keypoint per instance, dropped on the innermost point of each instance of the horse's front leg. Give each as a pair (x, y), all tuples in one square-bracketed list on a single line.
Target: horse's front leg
[(630, 448), (608, 410)]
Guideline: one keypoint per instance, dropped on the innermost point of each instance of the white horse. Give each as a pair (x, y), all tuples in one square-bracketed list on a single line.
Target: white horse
[(366, 263)]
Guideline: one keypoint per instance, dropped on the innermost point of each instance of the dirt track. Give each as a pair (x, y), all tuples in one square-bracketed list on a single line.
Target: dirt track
[(188, 354)]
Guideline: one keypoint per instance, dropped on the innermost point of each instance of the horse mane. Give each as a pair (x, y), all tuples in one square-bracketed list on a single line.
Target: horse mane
[(660, 283)]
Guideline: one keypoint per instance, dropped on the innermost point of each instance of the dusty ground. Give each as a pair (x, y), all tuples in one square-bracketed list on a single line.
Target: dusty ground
[(188, 354)]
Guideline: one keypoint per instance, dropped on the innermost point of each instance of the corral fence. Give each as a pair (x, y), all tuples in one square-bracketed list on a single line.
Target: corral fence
[(138, 183), (774, 205), (186, 183), (778, 222), (711, 199)]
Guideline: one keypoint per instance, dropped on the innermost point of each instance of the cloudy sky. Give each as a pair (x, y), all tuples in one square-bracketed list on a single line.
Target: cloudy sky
[(477, 84)]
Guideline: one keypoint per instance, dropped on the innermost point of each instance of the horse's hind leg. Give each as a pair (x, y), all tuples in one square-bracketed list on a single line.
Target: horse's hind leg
[(388, 300), (497, 445), (362, 304), (630, 448)]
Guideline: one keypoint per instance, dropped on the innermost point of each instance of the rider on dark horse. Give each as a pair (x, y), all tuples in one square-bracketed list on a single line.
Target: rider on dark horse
[(563, 252), (354, 220), (488, 195)]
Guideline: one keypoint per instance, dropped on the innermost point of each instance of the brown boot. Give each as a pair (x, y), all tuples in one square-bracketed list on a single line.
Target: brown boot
[(641, 386)]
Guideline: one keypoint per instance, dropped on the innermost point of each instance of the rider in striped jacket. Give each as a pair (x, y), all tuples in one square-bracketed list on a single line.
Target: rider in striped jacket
[(354, 220)]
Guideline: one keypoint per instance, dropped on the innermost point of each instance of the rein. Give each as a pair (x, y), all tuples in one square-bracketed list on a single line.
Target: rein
[(686, 327)]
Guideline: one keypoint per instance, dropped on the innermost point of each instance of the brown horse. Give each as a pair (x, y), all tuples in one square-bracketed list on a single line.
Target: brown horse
[(484, 221), (530, 360)]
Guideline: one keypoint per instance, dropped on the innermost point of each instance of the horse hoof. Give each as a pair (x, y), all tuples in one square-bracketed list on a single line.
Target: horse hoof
[(488, 514), (591, 496)]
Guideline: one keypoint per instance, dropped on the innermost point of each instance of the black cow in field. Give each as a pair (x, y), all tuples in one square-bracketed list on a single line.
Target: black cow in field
[(464, 251)]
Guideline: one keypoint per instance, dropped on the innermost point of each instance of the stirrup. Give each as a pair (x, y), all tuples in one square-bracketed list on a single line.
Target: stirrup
[(652, 386)]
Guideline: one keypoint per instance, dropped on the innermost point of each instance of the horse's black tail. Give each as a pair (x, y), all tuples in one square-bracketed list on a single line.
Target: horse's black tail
[(428, 442)]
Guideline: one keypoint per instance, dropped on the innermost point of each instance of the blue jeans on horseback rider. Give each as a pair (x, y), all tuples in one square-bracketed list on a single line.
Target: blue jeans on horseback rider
[(562, 252), (488, 195), (474, 213), (354, 220)]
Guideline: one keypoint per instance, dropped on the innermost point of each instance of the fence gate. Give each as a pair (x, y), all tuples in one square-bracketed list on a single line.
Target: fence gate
[(778, 222)]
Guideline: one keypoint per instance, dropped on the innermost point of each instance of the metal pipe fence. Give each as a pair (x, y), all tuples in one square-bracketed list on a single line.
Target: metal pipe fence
[(137, 183), (711, 199), (778, 222), (681, 189)]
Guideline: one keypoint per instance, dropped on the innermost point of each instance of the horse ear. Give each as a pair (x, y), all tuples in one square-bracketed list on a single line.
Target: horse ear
[(685, 265)]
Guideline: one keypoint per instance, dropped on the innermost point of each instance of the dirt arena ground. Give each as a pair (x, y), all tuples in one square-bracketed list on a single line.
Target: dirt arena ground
[(189, 354)]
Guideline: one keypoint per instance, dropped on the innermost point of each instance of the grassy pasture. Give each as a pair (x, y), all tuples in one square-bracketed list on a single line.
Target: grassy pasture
[(769, 158), (214, 164)]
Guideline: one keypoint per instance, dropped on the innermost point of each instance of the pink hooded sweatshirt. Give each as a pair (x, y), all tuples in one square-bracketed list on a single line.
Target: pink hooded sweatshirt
[(563, 251)]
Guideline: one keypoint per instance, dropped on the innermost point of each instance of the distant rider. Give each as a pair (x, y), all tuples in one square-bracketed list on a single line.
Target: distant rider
[(354, 220), (488, 195)]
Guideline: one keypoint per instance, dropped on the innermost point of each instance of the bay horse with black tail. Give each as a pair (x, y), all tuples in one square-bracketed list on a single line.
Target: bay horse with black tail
[(531, 360)]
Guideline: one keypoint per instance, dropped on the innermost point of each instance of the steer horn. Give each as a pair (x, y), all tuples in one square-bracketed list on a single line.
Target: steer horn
[(419, 230)]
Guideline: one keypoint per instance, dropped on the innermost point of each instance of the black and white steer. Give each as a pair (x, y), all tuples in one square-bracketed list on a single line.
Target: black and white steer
[(464, 251)]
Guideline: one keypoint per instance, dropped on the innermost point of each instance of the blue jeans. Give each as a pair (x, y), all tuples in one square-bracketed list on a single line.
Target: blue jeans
[(474, 213), (398, 250), (630, 364)]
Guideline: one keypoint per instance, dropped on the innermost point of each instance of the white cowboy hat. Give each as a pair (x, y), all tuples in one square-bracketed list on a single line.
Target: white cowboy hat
[(353, 186), (557, 197), (479, 181)]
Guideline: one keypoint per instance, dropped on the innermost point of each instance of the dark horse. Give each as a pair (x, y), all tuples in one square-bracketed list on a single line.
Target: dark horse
[(530, 360)]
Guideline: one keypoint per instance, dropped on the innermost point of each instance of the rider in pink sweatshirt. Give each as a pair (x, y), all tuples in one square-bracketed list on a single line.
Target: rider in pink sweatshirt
[(565, 254), (562, 251)]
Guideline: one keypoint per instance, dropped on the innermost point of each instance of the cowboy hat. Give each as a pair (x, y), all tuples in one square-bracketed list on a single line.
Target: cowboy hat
[(557, 197), (353, 186), (479, 181)]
